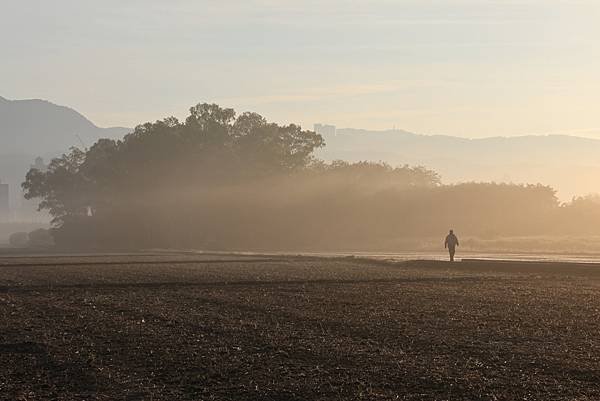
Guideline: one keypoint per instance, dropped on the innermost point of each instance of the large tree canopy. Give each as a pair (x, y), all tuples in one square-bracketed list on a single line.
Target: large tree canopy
[(211, 146)]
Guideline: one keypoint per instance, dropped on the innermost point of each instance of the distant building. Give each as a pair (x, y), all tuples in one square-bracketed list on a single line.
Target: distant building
[(325, 130), (28, 208), (39, 164), (4, 202)]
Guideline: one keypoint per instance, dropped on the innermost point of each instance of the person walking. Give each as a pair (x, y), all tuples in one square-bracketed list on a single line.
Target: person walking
[(451, 243)]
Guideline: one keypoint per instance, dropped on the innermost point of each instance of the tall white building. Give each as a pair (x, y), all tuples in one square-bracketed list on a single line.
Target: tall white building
[(28, 208)]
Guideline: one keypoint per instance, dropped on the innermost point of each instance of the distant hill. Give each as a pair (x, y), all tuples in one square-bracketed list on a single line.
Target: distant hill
[(569, 164), (31, 128), (38, 127)]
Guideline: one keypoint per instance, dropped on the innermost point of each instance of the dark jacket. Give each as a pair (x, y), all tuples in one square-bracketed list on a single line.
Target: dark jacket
[(451, 241)]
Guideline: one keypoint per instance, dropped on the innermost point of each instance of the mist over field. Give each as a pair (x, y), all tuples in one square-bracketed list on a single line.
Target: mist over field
[(353, 190), (465, 115), (222, 181)]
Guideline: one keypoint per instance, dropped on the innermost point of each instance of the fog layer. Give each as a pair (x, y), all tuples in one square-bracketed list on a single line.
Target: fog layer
[(217, 181)]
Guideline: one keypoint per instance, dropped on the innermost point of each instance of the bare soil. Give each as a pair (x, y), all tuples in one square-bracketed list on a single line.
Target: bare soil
[(189, 327)]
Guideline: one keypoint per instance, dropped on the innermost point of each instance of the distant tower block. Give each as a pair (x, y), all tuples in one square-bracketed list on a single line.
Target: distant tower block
[(4, 203), (325, 130), (39, 164)]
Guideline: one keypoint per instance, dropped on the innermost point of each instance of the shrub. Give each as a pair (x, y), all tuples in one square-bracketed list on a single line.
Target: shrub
[(19, 239), (40, 238)]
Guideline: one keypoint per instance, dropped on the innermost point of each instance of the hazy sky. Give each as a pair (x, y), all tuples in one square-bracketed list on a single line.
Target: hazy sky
[(464, 67)]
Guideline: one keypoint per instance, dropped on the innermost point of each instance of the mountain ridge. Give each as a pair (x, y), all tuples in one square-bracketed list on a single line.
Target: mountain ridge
[(38, 126)]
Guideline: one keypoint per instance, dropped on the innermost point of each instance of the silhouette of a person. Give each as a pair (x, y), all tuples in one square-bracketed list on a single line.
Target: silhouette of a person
[(451, 243)]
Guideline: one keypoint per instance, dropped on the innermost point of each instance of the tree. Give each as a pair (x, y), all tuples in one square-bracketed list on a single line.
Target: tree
[(63, 188), (212, 147)]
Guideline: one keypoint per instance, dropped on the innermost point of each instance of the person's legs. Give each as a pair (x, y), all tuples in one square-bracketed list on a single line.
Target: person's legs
[(452, 251)]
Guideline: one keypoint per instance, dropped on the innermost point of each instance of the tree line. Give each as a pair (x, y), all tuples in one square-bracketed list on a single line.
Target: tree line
[(224, 181)]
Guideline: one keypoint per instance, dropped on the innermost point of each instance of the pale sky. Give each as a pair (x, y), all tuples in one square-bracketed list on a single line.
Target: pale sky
[(470, 68)]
